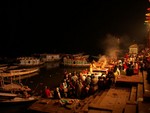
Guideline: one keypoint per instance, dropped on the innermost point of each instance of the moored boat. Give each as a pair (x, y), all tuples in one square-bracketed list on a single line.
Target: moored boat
[(17, 104), (7, 95), (14, 87), (50, 57), (19, 100), (7, 80), (18, 72), (23, 71), (76, 61), (3, 67), (29, 61)]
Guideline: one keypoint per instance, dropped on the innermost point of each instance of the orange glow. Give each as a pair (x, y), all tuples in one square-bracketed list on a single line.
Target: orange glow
[(147, 21), (147, 14)]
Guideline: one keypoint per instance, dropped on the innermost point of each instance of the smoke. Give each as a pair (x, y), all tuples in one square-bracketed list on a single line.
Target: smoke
[(111, 45), (125, 42), (112, 48)]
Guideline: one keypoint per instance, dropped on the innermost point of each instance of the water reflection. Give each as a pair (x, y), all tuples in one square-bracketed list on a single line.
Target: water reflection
[(51, 65)]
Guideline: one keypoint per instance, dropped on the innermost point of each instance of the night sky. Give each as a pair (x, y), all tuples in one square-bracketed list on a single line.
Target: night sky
[(69, 25)]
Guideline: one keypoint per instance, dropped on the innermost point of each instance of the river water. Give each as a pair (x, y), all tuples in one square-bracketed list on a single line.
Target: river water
[(50, 74)]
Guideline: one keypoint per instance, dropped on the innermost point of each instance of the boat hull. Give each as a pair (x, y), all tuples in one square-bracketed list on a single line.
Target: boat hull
[(4, 96), (19, 100), (15, 105), (14, 88)]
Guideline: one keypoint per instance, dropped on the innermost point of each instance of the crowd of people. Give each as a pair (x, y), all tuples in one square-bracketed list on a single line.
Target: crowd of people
[(82, 84)]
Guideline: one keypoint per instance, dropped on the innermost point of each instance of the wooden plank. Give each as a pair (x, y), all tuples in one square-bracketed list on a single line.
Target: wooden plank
[(98, 98), (95, 99), (114, 100), (133, 94), (130, 108), (85, 107), (121, 101), (94, 104), (119, 105), (130, 79), (140, 92)]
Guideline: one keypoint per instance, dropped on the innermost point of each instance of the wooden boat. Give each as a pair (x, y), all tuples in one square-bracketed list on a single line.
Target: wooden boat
[(3, 67), (76, 61), (19, 100), (7, 80), (7, 95), (25, 76), (17, 72), (23, 71), (14, 87), (13, 67), (17, 104)]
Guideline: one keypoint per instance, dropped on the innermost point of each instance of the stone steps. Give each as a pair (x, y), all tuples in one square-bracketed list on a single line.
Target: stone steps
[(146, 95)]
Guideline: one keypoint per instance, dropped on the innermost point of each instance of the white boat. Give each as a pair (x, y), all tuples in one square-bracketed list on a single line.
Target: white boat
[(50, 57), (76, 61), (29, 61)]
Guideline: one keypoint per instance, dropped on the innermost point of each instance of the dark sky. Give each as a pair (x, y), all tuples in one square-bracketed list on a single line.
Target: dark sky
[(68, 25)]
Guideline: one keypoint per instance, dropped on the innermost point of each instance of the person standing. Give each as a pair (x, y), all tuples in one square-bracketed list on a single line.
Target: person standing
[(48, 93)]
